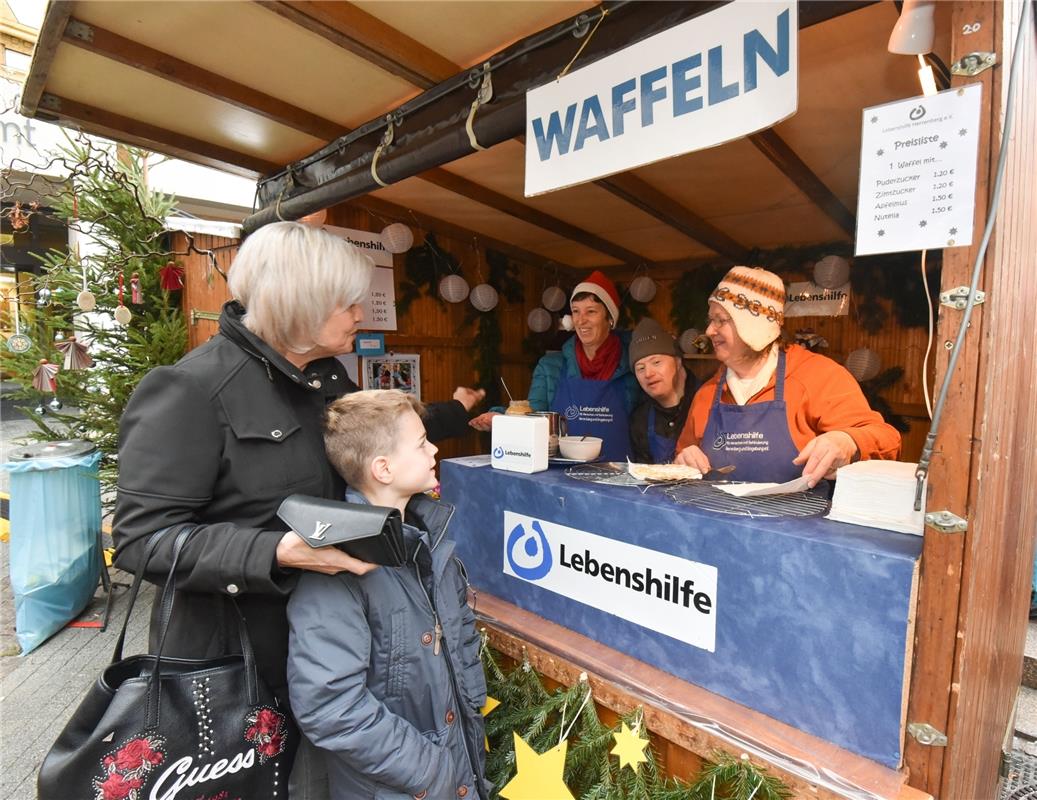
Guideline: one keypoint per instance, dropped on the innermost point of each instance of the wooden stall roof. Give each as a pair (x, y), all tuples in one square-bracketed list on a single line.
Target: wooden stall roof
[(253, 86)]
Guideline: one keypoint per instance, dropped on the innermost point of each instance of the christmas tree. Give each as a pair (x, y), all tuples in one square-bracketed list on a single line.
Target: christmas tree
[(108, 310)]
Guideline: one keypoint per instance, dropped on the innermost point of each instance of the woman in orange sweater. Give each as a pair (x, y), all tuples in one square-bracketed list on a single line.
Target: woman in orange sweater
[(775, 412)]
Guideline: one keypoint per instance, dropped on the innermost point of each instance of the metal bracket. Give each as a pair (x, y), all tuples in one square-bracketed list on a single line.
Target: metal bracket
[(926, 734), (946, 522), (973, 64), (196, 314), (958, 298), (79, 30)]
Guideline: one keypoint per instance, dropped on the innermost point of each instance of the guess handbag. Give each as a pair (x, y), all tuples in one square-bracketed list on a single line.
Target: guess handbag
[(160, 728)]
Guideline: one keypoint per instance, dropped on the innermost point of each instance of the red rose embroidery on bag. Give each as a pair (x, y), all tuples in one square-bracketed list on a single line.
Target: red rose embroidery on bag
[(265, 730), (123, 770)]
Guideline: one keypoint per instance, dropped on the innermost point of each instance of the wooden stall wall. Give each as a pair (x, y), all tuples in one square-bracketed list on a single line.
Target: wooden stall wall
[(205, 285)]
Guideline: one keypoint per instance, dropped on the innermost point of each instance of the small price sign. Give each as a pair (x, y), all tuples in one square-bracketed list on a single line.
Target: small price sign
[(918, 172)]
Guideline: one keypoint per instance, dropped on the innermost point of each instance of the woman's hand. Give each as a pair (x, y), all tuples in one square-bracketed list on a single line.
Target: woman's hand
[(294, 553), (692, 456), (824, 454), (469, 398), (483, 422)]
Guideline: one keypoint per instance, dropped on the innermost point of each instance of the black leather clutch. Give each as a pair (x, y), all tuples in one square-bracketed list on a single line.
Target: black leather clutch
[(370, 533)]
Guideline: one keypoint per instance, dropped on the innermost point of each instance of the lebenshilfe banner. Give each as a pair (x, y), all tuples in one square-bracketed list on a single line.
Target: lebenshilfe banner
[(712, 79)]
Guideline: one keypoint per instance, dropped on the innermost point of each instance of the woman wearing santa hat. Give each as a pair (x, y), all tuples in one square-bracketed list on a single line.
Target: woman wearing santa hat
[(775, 412), (589, 381)]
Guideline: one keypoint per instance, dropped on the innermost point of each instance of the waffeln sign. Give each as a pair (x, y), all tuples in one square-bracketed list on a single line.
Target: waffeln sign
[(712, 79)]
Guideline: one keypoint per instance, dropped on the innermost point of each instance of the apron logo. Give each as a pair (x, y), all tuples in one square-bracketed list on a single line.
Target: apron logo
[(533, 545), (572, 412), (719, 442)]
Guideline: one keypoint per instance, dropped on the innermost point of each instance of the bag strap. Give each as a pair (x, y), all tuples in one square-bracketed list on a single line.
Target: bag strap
[(138, 577), (154, 701)]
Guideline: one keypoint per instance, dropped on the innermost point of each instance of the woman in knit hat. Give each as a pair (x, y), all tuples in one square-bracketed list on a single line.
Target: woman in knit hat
[(589, 381), (659, 367), (775, 412)]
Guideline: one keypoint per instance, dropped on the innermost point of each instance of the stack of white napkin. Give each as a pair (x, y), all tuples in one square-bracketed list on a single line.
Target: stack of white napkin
[(879, 494)]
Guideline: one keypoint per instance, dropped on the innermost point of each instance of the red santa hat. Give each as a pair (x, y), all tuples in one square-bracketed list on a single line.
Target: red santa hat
[(605, 290)]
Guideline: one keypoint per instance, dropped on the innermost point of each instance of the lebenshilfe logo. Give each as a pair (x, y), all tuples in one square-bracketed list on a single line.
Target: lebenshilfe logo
[(718, 443), (528, 552), (572, 412), (659, 591), (498, 452)]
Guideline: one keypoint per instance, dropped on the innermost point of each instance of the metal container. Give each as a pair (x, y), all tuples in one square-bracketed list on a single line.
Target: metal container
[(555, 427)]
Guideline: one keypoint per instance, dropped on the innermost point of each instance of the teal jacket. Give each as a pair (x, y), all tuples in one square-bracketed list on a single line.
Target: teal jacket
[(552, 366)]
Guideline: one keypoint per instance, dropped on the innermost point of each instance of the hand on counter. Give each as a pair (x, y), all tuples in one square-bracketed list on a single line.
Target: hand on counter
[(294, 553), (825, 454), (692, 456), (469, 398), (483, 421)]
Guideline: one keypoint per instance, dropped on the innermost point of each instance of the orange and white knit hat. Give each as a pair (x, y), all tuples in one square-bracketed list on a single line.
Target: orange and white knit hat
[(755, 299)]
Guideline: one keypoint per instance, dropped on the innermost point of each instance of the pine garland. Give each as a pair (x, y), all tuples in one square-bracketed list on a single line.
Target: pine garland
[(421, 269), (543, 718)]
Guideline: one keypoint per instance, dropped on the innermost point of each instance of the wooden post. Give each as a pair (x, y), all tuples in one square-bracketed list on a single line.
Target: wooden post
[(999, 544)]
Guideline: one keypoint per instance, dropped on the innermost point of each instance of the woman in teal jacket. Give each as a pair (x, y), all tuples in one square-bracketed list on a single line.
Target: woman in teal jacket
[(590, 381)]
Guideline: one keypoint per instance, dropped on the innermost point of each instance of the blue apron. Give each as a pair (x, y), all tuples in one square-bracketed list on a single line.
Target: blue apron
[(595, 408), (662, 448), (754, 437)]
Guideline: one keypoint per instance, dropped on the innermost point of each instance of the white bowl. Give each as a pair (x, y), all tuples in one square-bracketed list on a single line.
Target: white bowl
[(582, 448)]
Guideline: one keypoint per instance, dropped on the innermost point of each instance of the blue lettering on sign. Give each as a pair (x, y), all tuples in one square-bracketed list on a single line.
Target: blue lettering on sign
[(531, 545), (680, 81), (555, 131)]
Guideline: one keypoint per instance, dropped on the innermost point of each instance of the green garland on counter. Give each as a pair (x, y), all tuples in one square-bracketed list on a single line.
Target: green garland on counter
[(543, 717)]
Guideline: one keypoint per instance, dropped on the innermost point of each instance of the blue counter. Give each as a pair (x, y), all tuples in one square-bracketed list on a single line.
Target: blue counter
[(804, 619)]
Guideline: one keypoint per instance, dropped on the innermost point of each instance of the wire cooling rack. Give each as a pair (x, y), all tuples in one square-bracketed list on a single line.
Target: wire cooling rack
[(702, 494), (607, 473)]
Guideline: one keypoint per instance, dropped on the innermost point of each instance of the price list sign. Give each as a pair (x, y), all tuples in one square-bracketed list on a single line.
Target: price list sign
[(918, 172)]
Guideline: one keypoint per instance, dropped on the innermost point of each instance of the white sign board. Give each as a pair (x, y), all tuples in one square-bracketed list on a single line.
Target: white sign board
[(714, 78), (380, 305), (918, 172), (658, 591), (807, 299)]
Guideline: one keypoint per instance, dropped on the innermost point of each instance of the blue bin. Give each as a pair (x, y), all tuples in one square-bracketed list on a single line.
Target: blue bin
[(55, 535)]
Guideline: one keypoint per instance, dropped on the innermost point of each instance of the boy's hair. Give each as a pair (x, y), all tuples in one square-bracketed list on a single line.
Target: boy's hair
[(362, 426)]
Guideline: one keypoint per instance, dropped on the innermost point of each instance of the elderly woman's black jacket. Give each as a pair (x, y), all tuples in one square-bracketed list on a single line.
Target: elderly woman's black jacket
[(220, 439)]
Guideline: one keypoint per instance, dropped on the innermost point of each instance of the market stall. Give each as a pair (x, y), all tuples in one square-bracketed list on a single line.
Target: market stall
[(854, 662)]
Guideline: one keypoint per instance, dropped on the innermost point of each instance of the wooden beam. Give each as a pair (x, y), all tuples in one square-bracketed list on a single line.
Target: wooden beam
[(383, 208), (487, 197), (785, 158), (998, 553), (366, 36), (638, 193), (154, 62), (54, 22), (141, 134)]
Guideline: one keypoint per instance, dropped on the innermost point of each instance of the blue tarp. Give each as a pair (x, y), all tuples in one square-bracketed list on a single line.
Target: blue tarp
[(55, 542)]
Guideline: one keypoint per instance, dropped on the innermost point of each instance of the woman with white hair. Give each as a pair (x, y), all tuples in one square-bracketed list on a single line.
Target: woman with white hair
[(219, 439), (775, 412)]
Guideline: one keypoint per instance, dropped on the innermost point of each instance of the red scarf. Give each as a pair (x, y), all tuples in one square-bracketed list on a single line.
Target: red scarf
[(605, 361)]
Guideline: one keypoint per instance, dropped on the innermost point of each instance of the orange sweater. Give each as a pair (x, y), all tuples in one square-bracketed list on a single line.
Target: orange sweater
[(820, 396)]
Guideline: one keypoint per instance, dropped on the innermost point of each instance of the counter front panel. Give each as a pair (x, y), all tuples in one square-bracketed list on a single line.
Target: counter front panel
[(804, 619)]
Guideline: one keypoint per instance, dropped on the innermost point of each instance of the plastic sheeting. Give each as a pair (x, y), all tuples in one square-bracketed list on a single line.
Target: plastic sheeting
[(55, 538)]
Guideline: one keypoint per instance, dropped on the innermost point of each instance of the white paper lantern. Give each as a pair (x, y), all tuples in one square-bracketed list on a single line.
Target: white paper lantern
[(397, 238), (553, 298), (687, 341), (484, 297), (453, 288), (831, 272), (864, 364), (643, 289), (539, 320)]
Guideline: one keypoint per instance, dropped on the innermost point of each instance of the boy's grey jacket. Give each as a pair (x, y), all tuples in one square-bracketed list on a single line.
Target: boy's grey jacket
[(396, 708)]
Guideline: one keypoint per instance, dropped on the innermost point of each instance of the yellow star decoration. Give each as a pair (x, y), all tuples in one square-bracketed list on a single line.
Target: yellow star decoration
[(630, 748), (539, 775), (486, 710)]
